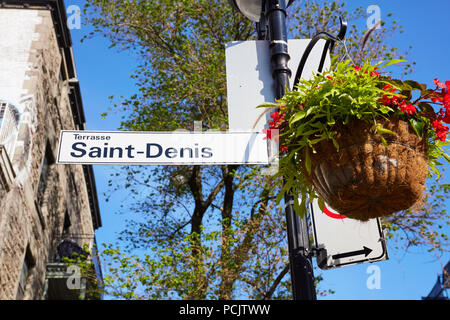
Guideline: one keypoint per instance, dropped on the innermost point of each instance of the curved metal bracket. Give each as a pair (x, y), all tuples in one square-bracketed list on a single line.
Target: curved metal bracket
[(342, 30), (329, 46)]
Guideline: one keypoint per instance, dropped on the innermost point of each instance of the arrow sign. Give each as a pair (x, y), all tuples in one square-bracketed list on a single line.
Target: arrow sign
[(366, 251), (337, 237)]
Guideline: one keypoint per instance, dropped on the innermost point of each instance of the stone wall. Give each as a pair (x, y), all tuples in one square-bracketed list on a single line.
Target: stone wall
[(32, 212)]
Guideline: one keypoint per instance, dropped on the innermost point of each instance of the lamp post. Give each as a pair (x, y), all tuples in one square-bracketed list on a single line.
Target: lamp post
[(273, 13)]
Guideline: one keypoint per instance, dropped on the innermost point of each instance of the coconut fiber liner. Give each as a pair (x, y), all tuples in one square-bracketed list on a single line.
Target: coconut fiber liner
[(365, 179)]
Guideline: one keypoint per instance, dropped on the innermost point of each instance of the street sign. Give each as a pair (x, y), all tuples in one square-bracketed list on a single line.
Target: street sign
[(250, 82), (343, 241), (162, 148)]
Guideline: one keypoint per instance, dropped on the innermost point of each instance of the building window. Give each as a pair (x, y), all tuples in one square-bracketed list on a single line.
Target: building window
[(67, 224), (9, 126), (24, 273), (45, 174), (63, 70)]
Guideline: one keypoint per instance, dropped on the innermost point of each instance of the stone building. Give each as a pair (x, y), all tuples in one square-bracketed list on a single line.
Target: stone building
[(47, 211)]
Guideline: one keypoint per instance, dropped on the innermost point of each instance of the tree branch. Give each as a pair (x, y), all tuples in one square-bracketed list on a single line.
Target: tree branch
[(268, 295)]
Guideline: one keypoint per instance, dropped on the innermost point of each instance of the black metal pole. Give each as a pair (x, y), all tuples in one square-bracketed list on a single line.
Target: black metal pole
[(302, 276)]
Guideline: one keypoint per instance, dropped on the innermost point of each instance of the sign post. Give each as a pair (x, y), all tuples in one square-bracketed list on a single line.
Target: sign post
[(258, 72), (302, 275)]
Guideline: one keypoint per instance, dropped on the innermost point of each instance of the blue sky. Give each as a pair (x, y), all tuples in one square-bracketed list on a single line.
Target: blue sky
[(104, 72)]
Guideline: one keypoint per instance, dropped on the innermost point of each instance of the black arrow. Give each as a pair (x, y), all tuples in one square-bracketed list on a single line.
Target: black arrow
[(364, 251)]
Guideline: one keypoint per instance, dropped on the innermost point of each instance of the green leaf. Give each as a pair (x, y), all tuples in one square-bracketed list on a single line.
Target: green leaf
[(307, 160), (335, 143), (314, 141), (407, 94), (446, 157), (425, 107), (384, 141), (381, 130), (391, 62), (397, 84), (321, 204), (416, 86), (269, 105), (385, 109), (298, 116), (417, 126), (435, 170), (299, 209)]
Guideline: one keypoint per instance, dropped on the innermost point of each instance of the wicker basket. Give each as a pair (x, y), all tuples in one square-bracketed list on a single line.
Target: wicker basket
[(365, 179)]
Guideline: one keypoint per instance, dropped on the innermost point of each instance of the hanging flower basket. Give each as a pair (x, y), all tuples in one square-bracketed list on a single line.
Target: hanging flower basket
[(360, 141), (367, 177)]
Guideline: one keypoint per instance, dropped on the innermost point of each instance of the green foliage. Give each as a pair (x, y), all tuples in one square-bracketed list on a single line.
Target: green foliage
[(310, 113), (170, 272), (182, 271)]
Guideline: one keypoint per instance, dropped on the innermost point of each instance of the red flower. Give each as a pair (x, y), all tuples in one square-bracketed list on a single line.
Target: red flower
[(356, 68), (440, 129), (275, 116), (446, 94), (271, 134), (438, 83), (386, 100), (278, 119), (408, 108), (437, 99), (268, 133), (442, 97), (283, 148), (446, 117), (446, 101)]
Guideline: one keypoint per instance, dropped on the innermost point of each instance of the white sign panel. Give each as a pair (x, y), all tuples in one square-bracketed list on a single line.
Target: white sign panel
[(162, 148), (250, 82), (344, 241)]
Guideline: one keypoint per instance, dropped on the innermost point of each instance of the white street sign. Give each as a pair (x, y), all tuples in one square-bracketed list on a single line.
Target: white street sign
[(345, 241), (162, 148), (250, 82)]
